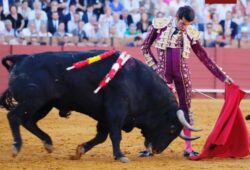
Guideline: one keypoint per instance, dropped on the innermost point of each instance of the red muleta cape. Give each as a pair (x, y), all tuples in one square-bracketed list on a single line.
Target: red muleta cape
[(230, 137)]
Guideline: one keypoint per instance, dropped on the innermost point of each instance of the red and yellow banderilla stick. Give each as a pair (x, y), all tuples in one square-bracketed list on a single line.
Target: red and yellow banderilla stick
[(91, 60)]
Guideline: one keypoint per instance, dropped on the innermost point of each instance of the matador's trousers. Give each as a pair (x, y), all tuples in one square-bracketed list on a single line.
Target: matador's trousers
[(174, 69)]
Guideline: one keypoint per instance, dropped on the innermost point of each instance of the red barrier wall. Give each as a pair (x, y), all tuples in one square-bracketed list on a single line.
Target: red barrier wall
[(235, 62)]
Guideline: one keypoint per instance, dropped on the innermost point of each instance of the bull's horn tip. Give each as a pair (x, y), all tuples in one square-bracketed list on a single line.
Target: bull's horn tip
[(70, 68)]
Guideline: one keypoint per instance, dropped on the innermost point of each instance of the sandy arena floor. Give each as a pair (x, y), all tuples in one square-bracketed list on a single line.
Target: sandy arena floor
[(68, 133)]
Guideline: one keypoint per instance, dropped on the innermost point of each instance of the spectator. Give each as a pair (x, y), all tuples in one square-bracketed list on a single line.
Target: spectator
[(73, 24), (9, 31), (98, 6), (220, 42), (215, 24), (44, 31), (54, 6), (2, 27), (113, 34), (66, 41), (210, 36), (248, 26), (161, 6), (244, 34), (137, 42), (149, 7), (118, 26), (228, 26), (133, 8), (238, 19), (116, 6), (81, 5), (105, 21), (2, 40), (248, 8), (19, 40), (6, 6), (176, 4), (30, 30), (223, 9), (33, 41), (96, 38), (197, 25), (88, 27), (239, 8), (126, 17), (61, 30), (16, 19), (53, 23), (24, 10), (2, 16), (88, 13), (131, 31), (37, 9), (38, 20), (144, 23), (244, 30), (79, 31), (70, 15)]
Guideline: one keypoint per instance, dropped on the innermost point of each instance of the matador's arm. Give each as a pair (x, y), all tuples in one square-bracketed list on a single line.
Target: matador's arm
[(208, 62), (158, 25), (149, 57), (205, 59)]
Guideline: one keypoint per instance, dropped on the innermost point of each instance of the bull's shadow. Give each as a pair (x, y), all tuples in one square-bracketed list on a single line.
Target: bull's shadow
[(136, 97)]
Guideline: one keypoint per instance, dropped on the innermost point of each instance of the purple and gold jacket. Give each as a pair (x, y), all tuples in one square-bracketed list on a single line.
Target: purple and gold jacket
[(161, 34)]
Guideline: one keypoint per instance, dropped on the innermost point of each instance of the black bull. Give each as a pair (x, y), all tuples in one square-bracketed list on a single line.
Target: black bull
[(136, 97)]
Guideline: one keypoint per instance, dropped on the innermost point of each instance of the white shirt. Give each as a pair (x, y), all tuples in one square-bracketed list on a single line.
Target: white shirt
[(120, 28), (2, 27), (131, 5), (71, 26), (32, 15), (210, 36), (222, 9), (55, 23), (105, 23), (6, 7), (174, 5)]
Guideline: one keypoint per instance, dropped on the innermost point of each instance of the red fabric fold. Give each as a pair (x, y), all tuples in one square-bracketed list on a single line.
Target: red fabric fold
[(230, 137)]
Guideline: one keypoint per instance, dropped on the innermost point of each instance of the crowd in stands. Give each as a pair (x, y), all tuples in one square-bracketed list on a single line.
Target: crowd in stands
[(116, 22)]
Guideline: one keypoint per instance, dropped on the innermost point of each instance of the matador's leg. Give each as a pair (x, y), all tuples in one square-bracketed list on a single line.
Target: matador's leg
[(184, 88)]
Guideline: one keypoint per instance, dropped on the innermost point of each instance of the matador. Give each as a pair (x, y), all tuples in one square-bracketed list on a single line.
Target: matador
[(173, 38)]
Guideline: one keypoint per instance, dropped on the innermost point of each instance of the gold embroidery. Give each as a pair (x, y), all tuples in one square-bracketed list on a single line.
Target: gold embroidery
[(193, 33), (159, 23), (166, 38)]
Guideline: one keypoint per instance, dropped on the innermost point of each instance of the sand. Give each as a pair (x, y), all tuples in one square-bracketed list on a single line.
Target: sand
[(68, 133)]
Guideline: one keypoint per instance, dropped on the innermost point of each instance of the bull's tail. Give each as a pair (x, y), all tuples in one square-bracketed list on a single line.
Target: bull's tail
[(7, 101), (9, 61)]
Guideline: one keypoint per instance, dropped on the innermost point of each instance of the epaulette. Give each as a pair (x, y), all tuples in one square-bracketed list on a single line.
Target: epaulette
[(159, 23), (193, 33)]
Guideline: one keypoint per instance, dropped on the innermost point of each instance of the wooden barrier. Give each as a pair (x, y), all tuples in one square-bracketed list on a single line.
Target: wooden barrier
[(235, 62)]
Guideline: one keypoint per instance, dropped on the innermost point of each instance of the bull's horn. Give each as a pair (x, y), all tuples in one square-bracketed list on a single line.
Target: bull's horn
[(184, 137), (181, 117)]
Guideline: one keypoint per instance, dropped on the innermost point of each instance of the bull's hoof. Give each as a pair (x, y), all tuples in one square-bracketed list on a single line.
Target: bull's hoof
[(79, 152), (15, 151), (248, 117), (49, 148), (123, 159)]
